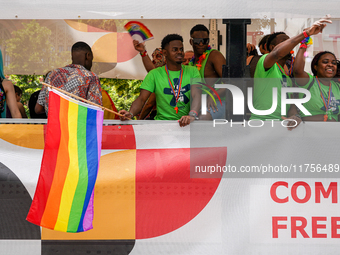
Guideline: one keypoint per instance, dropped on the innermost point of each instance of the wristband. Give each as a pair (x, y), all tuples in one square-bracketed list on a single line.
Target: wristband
[(297, 115), (308, 41), (303, 46), (194, 112), (143, 54), (305, 34)]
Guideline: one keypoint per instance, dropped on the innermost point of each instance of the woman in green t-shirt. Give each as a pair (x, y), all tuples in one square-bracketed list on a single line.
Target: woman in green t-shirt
[(325, 93)]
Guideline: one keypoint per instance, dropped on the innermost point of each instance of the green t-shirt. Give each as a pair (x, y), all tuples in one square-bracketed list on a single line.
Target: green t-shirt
[(315, 105), (157, 82), (264, 83)]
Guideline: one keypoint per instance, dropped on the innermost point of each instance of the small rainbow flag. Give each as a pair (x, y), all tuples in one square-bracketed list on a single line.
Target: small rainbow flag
[(63, 199), (138, 31)]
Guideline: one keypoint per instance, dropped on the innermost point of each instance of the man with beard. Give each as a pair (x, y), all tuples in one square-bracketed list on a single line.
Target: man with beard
[(269, 72), (171, 85)]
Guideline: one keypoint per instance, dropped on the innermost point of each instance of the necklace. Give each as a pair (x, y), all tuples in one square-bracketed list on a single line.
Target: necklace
[(290, 72), (173, 87), (200, 59), (282, 71), (328, 111)]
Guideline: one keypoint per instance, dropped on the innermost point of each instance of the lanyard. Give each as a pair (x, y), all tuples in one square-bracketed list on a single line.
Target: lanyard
[(328, 112), (282, 71), (173, 86)]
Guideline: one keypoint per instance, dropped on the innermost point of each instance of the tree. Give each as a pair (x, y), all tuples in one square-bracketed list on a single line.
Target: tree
[(123, 92), (106, 24), (28, 84), (31, 51)]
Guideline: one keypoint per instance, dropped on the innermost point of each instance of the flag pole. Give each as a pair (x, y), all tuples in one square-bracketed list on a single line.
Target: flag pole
[(82, 99)]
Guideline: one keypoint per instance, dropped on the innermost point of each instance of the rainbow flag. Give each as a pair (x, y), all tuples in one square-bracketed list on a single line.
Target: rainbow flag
[(138, 31), (63, 199)]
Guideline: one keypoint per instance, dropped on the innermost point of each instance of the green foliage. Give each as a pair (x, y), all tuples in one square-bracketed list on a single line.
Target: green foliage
[(28, 84), (106, 24), (123, 92), (32, 52)]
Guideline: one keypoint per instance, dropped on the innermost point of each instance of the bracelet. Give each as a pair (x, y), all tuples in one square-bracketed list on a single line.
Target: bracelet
[(308, 41), (131, 115), (297, 115), (305, 34), (303, 46), (194, 112), (143, 54)]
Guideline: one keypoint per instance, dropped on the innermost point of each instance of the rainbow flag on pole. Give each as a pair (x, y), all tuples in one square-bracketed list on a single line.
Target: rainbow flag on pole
[(63, 198)]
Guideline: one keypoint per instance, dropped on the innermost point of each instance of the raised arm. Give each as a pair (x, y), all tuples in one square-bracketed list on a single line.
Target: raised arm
[(301, 76), (282, 49), (147, 62)]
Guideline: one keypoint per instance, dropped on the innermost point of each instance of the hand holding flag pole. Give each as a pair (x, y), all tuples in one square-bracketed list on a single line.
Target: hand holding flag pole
[(82, 99)]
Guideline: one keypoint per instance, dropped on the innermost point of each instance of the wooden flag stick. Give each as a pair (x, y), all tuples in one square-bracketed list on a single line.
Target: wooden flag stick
[(82, 99)]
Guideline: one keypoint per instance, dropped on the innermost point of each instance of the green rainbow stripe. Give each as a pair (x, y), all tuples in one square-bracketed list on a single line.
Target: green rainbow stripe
[(135, 27), (64, 202)]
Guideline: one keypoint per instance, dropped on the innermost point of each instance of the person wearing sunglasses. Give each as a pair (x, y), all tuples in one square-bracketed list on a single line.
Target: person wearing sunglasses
[(209, 63), (172, 86)]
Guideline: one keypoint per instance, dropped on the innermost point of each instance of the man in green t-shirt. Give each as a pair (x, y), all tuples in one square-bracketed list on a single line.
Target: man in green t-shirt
[(171, 85), (271, 65)]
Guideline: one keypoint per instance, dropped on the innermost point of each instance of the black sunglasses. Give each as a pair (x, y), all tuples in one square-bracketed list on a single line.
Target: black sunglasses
[(200, 40)]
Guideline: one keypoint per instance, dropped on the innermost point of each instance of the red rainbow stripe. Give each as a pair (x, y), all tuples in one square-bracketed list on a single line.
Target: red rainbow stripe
[(63, 198), (135, 27)]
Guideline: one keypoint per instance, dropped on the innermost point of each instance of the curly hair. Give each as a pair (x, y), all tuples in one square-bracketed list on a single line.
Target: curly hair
[(171, 37)]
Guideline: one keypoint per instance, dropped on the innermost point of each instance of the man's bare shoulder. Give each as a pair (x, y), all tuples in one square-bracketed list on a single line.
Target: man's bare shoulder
[(214, 64), (216, 55)]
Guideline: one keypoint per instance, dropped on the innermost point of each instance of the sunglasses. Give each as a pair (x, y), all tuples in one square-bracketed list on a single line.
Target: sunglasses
[(200, 40)]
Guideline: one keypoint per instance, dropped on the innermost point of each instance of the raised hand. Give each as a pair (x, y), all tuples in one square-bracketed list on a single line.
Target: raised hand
[(318, 26), (140, 47)]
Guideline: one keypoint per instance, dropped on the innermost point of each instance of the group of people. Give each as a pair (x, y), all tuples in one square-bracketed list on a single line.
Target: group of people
[(168, 86), (277, 66)]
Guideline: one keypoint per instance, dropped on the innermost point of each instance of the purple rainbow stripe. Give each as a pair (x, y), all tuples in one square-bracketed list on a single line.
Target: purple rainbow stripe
[(135, 27), (65, 203)]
